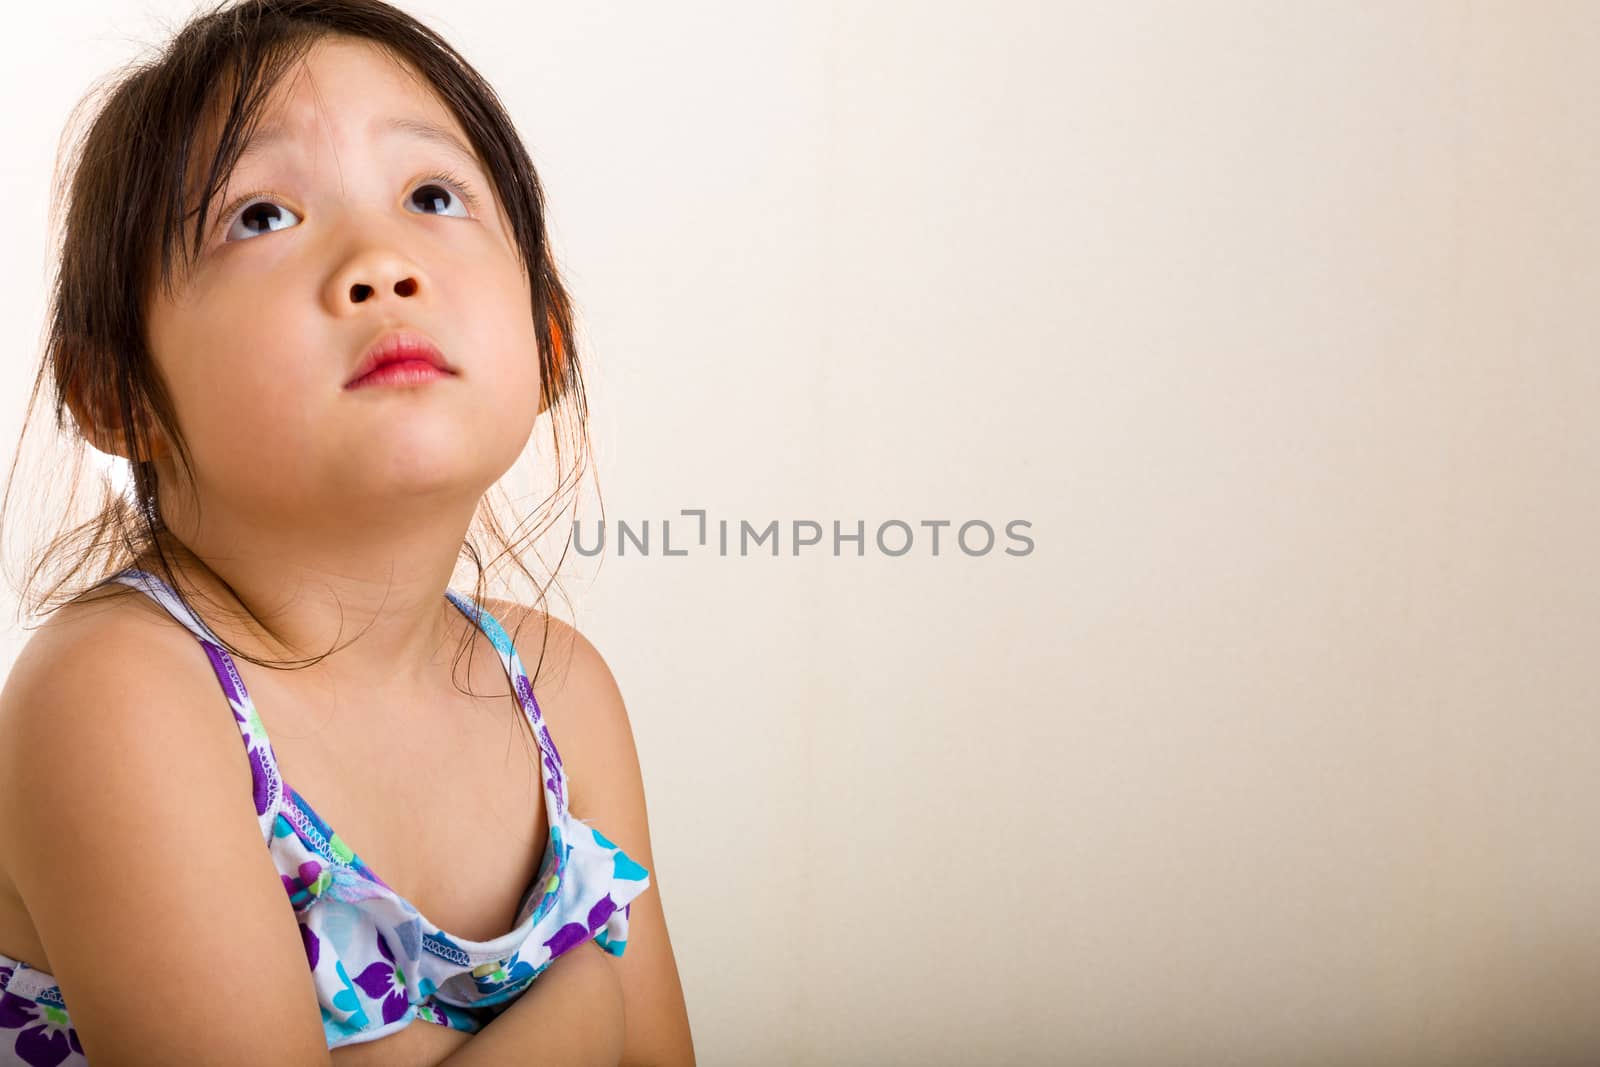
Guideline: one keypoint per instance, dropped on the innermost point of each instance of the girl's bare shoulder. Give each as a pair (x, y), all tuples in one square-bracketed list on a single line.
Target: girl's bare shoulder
[(561, 665), (545, 644), (90, 653), (107, 621)]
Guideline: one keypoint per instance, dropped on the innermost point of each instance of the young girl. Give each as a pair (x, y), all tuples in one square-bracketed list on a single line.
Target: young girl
[(305, 290)]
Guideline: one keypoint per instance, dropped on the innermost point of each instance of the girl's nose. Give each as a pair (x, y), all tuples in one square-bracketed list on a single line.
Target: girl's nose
[(376, 270), (361, 291)]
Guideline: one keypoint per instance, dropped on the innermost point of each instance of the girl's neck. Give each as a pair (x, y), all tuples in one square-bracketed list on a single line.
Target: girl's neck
[(370, 651)]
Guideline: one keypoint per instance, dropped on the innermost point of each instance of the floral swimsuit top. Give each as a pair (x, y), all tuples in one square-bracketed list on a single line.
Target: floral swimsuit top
[(377, 962)]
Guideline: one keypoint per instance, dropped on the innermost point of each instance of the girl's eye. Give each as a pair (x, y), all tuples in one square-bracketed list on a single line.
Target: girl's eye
[(440, 194), (440, 198), (263, 216)]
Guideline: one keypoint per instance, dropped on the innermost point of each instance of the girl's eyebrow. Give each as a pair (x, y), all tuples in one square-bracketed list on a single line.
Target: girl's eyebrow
[(433, 133), (272, 133)]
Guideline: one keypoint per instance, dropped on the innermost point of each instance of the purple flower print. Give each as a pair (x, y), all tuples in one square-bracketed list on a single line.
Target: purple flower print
[(566, 937), (549, 744), (258, 778), (258, 770), (601, 912), (306, 886), (387, 982), (232, 684), (312, 943), (577, 933), (46, 1038)]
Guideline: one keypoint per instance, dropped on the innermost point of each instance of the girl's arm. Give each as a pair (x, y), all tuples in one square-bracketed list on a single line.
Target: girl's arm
[(607, 790), (95, 780), (571, 1014), (422, 1044)]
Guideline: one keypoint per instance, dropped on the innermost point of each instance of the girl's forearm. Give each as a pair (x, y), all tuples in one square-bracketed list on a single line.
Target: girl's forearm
[(571, 1014), (422, 1044)]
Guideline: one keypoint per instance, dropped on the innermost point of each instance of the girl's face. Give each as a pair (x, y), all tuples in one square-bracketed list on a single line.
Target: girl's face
[(362, 218)]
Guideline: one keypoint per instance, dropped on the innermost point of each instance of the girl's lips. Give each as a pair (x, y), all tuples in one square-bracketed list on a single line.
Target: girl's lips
[(398, 346), (404, 372)]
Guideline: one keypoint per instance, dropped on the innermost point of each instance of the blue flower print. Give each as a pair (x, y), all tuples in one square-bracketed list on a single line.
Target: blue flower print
[(348, 1000), (497, 981)]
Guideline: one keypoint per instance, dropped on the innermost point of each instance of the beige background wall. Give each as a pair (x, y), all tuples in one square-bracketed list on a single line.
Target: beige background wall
[(1276, 321)]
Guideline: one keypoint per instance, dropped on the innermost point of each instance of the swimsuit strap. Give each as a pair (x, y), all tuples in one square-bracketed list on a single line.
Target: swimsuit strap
[(556, 780), (163, 594)]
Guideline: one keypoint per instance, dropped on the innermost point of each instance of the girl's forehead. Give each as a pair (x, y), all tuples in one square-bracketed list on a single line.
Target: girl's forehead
[(339, 84), (342, 81)]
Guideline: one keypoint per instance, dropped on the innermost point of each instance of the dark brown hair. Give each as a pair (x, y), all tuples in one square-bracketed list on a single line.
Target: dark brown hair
[(122, 215)]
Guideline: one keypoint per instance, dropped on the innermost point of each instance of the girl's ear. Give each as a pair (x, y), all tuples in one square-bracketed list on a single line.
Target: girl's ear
[(101, 426)]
